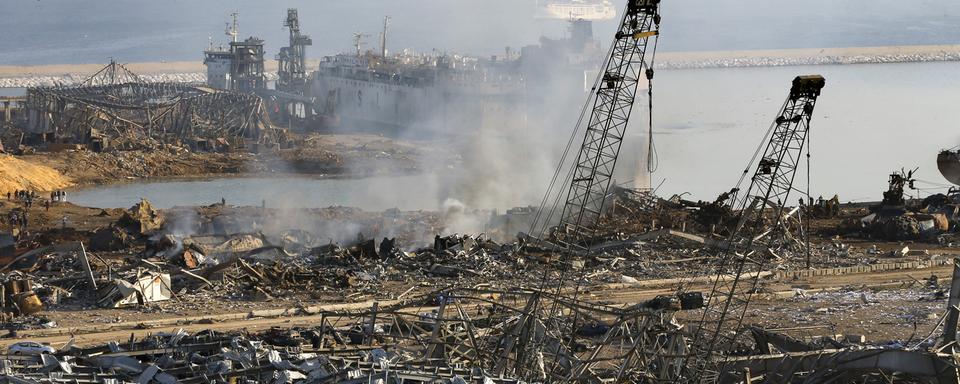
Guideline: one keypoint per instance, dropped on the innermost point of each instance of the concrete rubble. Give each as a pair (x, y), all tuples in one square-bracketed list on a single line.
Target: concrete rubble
[(459, 308)]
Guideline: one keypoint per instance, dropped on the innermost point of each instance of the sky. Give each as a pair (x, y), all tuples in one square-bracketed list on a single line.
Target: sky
[(92, 31)]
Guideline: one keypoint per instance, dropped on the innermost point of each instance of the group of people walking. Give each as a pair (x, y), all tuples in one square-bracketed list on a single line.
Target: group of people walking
[(19, 218)]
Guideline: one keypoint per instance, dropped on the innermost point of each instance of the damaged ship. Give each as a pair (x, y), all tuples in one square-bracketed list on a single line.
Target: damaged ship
[(407, 93), (416, 94)]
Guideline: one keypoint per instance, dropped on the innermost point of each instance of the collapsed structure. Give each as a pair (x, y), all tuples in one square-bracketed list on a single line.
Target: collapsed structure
[(115, 108)]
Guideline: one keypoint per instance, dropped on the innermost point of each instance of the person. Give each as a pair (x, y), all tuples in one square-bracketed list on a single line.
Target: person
[(46, 205), (64, 221)]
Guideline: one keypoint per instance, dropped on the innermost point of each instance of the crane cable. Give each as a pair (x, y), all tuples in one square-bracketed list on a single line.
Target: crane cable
[(735, 200), (653, 158)]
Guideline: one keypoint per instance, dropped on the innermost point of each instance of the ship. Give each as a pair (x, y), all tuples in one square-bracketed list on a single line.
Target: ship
[(948, 162), (428, 93), (411, 94), (576, 9), (417, 94)]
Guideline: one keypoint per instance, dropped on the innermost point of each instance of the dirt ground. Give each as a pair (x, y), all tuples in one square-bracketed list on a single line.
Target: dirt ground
[(333, 155), (18, 174), (891, 306), (885, 308)]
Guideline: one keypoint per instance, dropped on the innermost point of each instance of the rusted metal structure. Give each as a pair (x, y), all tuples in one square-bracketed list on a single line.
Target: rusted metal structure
[(292, 59), (116, 108), (247, 69)]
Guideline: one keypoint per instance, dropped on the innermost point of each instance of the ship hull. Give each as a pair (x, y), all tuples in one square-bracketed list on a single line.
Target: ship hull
[(948, 162), (412, 111)]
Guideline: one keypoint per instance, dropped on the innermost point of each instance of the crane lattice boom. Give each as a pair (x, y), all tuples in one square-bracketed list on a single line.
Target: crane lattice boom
[(761, 217), (612, 105)]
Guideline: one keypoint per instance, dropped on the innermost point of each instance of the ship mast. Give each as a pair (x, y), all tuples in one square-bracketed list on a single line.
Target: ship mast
[(383, 36), (358, 42), (232, 30)]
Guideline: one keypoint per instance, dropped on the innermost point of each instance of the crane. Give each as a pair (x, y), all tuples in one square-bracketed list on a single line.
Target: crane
[(525, 352), (612, 101), (762, 211), (292, 59)]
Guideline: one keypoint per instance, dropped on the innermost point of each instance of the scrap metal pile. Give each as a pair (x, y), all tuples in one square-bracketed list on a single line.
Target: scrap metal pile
[(463, 335), (115, 108), (899, 217), (451, 336)]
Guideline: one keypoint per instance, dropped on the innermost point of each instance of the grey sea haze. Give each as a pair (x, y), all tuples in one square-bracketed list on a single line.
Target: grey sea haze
[(92, 31), (871, 120)]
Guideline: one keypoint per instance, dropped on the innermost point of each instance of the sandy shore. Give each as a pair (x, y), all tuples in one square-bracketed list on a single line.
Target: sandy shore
[(664, 57)]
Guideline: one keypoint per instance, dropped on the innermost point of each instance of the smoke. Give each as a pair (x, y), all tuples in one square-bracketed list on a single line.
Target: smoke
[(458, 218), (500, 150)]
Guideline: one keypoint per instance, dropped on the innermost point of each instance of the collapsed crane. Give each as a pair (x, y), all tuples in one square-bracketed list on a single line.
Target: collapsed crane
[(612, 104), (762, 210)]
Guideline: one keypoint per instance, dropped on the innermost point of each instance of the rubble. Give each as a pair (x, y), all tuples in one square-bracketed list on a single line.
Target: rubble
[(143, 262), (148, 288), (141, 218)]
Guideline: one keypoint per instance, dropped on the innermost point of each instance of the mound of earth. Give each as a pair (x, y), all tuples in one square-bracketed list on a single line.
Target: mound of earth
[(16, 174)]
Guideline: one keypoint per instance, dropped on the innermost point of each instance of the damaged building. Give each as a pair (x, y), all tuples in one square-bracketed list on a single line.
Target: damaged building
[(116, 109)]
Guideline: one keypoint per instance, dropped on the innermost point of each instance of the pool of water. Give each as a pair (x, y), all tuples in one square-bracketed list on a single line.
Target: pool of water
[(372, 194), (7, 92)]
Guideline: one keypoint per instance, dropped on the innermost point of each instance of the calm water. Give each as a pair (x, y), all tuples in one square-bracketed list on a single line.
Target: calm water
[(13, 91), (870, 120), (404, 192)]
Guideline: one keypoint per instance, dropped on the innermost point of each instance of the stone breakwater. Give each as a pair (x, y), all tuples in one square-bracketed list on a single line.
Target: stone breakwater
[(746, 62), (191, 72)]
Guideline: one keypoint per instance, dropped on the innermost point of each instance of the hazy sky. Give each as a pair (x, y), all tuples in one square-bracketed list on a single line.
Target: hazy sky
[(74, 31)]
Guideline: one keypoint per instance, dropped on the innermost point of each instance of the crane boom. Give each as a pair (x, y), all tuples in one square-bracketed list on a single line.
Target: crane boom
[(739, 269), (613, 99)]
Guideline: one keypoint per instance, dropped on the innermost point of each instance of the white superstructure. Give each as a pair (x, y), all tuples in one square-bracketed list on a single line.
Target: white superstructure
[(576, 9)]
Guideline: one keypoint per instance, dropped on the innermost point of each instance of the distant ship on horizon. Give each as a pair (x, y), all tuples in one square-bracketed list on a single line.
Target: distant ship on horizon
[(576, 9)]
